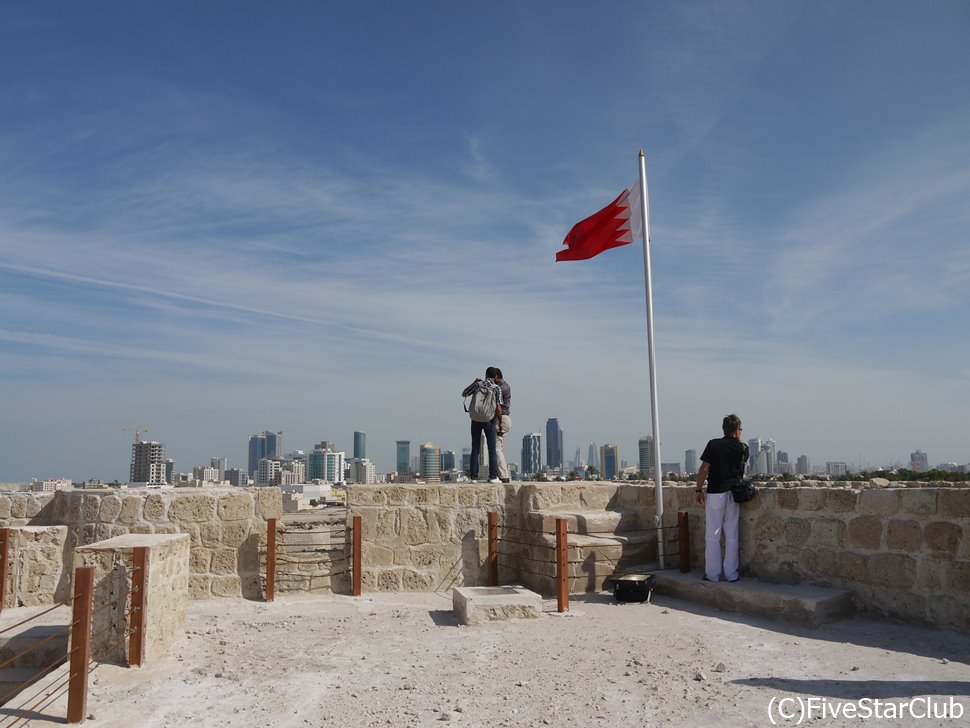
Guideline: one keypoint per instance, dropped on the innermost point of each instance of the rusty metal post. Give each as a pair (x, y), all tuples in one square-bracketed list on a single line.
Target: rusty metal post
[(139, 581), (270, 559), (80, 654), (4, 555), (684, 534), (355, 557), (562, 567), (493, 548)]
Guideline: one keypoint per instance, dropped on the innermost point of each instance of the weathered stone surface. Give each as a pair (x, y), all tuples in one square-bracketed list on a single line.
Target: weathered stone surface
[(155, 508), (210, 534), (919, 502), (269, 503), (879, 483), (131, 509), (193, 508), (199, 560), (811, 499), (5, 507), (481, 605), (878, 502), (412, 580), (226, 586), (851, 566), (958, 577), (943, 538), (797, 531), (389, 580), (903, 536), (865, 532), (236, 507), (110, 508), (223, 562), (415, 528), (894, 570), (828, 532), (786, 499), (234, 533), (200, 586), (955, 503), (841, 501)]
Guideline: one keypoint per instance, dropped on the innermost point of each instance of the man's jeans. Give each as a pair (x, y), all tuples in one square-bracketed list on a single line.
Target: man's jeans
[(489, 429)]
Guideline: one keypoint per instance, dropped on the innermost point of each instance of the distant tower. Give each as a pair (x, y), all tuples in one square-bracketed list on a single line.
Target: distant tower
[(593, 456), (148, 463), (220, 464), (690, 461), (431, 462), (264, 445), (647, 463), (802, 465), (610, 458), (360, 445), (403, 456), (919, 462), (754, 447), (553, 443), (531, 454), (447, 460)]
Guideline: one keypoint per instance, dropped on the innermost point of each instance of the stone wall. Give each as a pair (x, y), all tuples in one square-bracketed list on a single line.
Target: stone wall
[(166, 592), (38, 566), (902, 551), (226, 526)]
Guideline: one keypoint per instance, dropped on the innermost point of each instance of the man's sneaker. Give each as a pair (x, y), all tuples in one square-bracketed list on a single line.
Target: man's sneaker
[(473, 481), (495, 481)]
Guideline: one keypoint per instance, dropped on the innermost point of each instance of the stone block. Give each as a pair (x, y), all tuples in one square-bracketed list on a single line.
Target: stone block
[(210, 534), (955, 503), (234, 533), (797, 531), (366, 495), (828, 532), (417, 581), (477, 605), (851, 566), (236, 507), (226, 586), (200, 586), (893, 570), (878, 502), (943, 538), (786, 499), (841, 500), (426, 496), (949, 612), (199, 560), (467, 496), (389, 580), (811, 499), (922, 502), (110, 508), (397, 495), (929, 575), (865, 532), (903, 536), (5, 507), (375, 555), (223, 561), (958, 577), (769, 528), (448, 495), (415, 528), (193, 509), (131, 509), (155, 508), (897, 603), (269, 503)]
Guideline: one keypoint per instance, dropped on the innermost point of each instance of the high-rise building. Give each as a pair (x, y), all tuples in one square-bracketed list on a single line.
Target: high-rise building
[(431, 462), (362, 470), (325, 465), (836, 469), (148, 463), (170, 474), (237, 477), (447, 460), (647, 462), (267, 470), (782, 457), (325, 445), (690, 462), (553, 443), (466, 460), (403, 456), (220, 464), (360, 445), (919, 462), (670, 468), (264, 445), (754, 447), (768, 448), (531, 454), (610, 458), (802, 465), (593, 457)]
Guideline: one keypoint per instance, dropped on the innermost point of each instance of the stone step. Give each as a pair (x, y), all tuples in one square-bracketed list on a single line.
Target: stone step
[(591, 522), (802, 604)]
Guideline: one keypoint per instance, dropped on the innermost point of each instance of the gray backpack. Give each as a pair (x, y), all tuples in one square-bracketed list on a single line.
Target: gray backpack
[(484, 402)]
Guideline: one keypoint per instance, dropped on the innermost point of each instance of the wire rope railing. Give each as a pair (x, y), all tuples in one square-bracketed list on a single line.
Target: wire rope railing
[(305, 550)]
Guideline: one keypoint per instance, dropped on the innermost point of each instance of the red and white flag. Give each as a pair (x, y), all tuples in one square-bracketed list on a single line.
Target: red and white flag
[(619, 223)]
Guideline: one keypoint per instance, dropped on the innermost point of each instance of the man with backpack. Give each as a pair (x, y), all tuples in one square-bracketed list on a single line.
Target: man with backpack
[(503, 425), (485, 407)]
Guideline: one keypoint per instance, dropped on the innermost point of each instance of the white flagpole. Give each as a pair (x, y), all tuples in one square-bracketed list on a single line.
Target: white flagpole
[(654, 416)]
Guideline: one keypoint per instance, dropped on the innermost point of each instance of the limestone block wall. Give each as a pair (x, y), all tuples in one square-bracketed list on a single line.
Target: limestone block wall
[(166, 592), (226, 526), (903, 551), (38, 568)]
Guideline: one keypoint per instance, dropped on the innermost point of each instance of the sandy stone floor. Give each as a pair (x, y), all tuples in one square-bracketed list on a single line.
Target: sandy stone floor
[(401, 660)]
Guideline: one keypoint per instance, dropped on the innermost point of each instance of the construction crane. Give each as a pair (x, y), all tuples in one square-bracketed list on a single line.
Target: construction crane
[(137, 429)]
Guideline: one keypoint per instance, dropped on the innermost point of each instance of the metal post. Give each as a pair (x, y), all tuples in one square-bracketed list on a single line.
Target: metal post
[(355, 557), (562, 572), (684, 535), (493, 548), (77, 689), (270, 559), (139, 580), (4, 554)]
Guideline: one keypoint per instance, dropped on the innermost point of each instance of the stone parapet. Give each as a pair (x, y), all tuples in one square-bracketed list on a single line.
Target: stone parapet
[(166, 592), (38, 567)]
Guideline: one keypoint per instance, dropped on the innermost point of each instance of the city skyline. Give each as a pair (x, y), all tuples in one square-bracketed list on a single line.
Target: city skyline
[(341, 231)]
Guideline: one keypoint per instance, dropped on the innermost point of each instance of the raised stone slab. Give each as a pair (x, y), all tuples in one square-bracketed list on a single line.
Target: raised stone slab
[(810, 606), (482, 604)]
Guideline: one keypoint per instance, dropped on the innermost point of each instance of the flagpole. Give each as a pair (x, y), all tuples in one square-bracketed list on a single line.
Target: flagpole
[(654, 416)]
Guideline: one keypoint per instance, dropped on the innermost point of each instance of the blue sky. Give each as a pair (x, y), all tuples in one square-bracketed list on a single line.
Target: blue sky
[(318, 218)]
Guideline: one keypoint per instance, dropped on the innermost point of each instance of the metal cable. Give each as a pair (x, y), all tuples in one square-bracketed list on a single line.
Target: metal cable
[(59, 660), (527, 558), (522, 543), (47, 696), (29, 619), (35, 646)]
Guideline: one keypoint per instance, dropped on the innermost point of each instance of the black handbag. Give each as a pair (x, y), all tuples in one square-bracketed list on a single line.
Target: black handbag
[(744, 491)]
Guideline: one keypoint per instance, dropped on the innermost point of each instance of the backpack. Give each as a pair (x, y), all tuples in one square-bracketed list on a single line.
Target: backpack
[(484, 401)]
